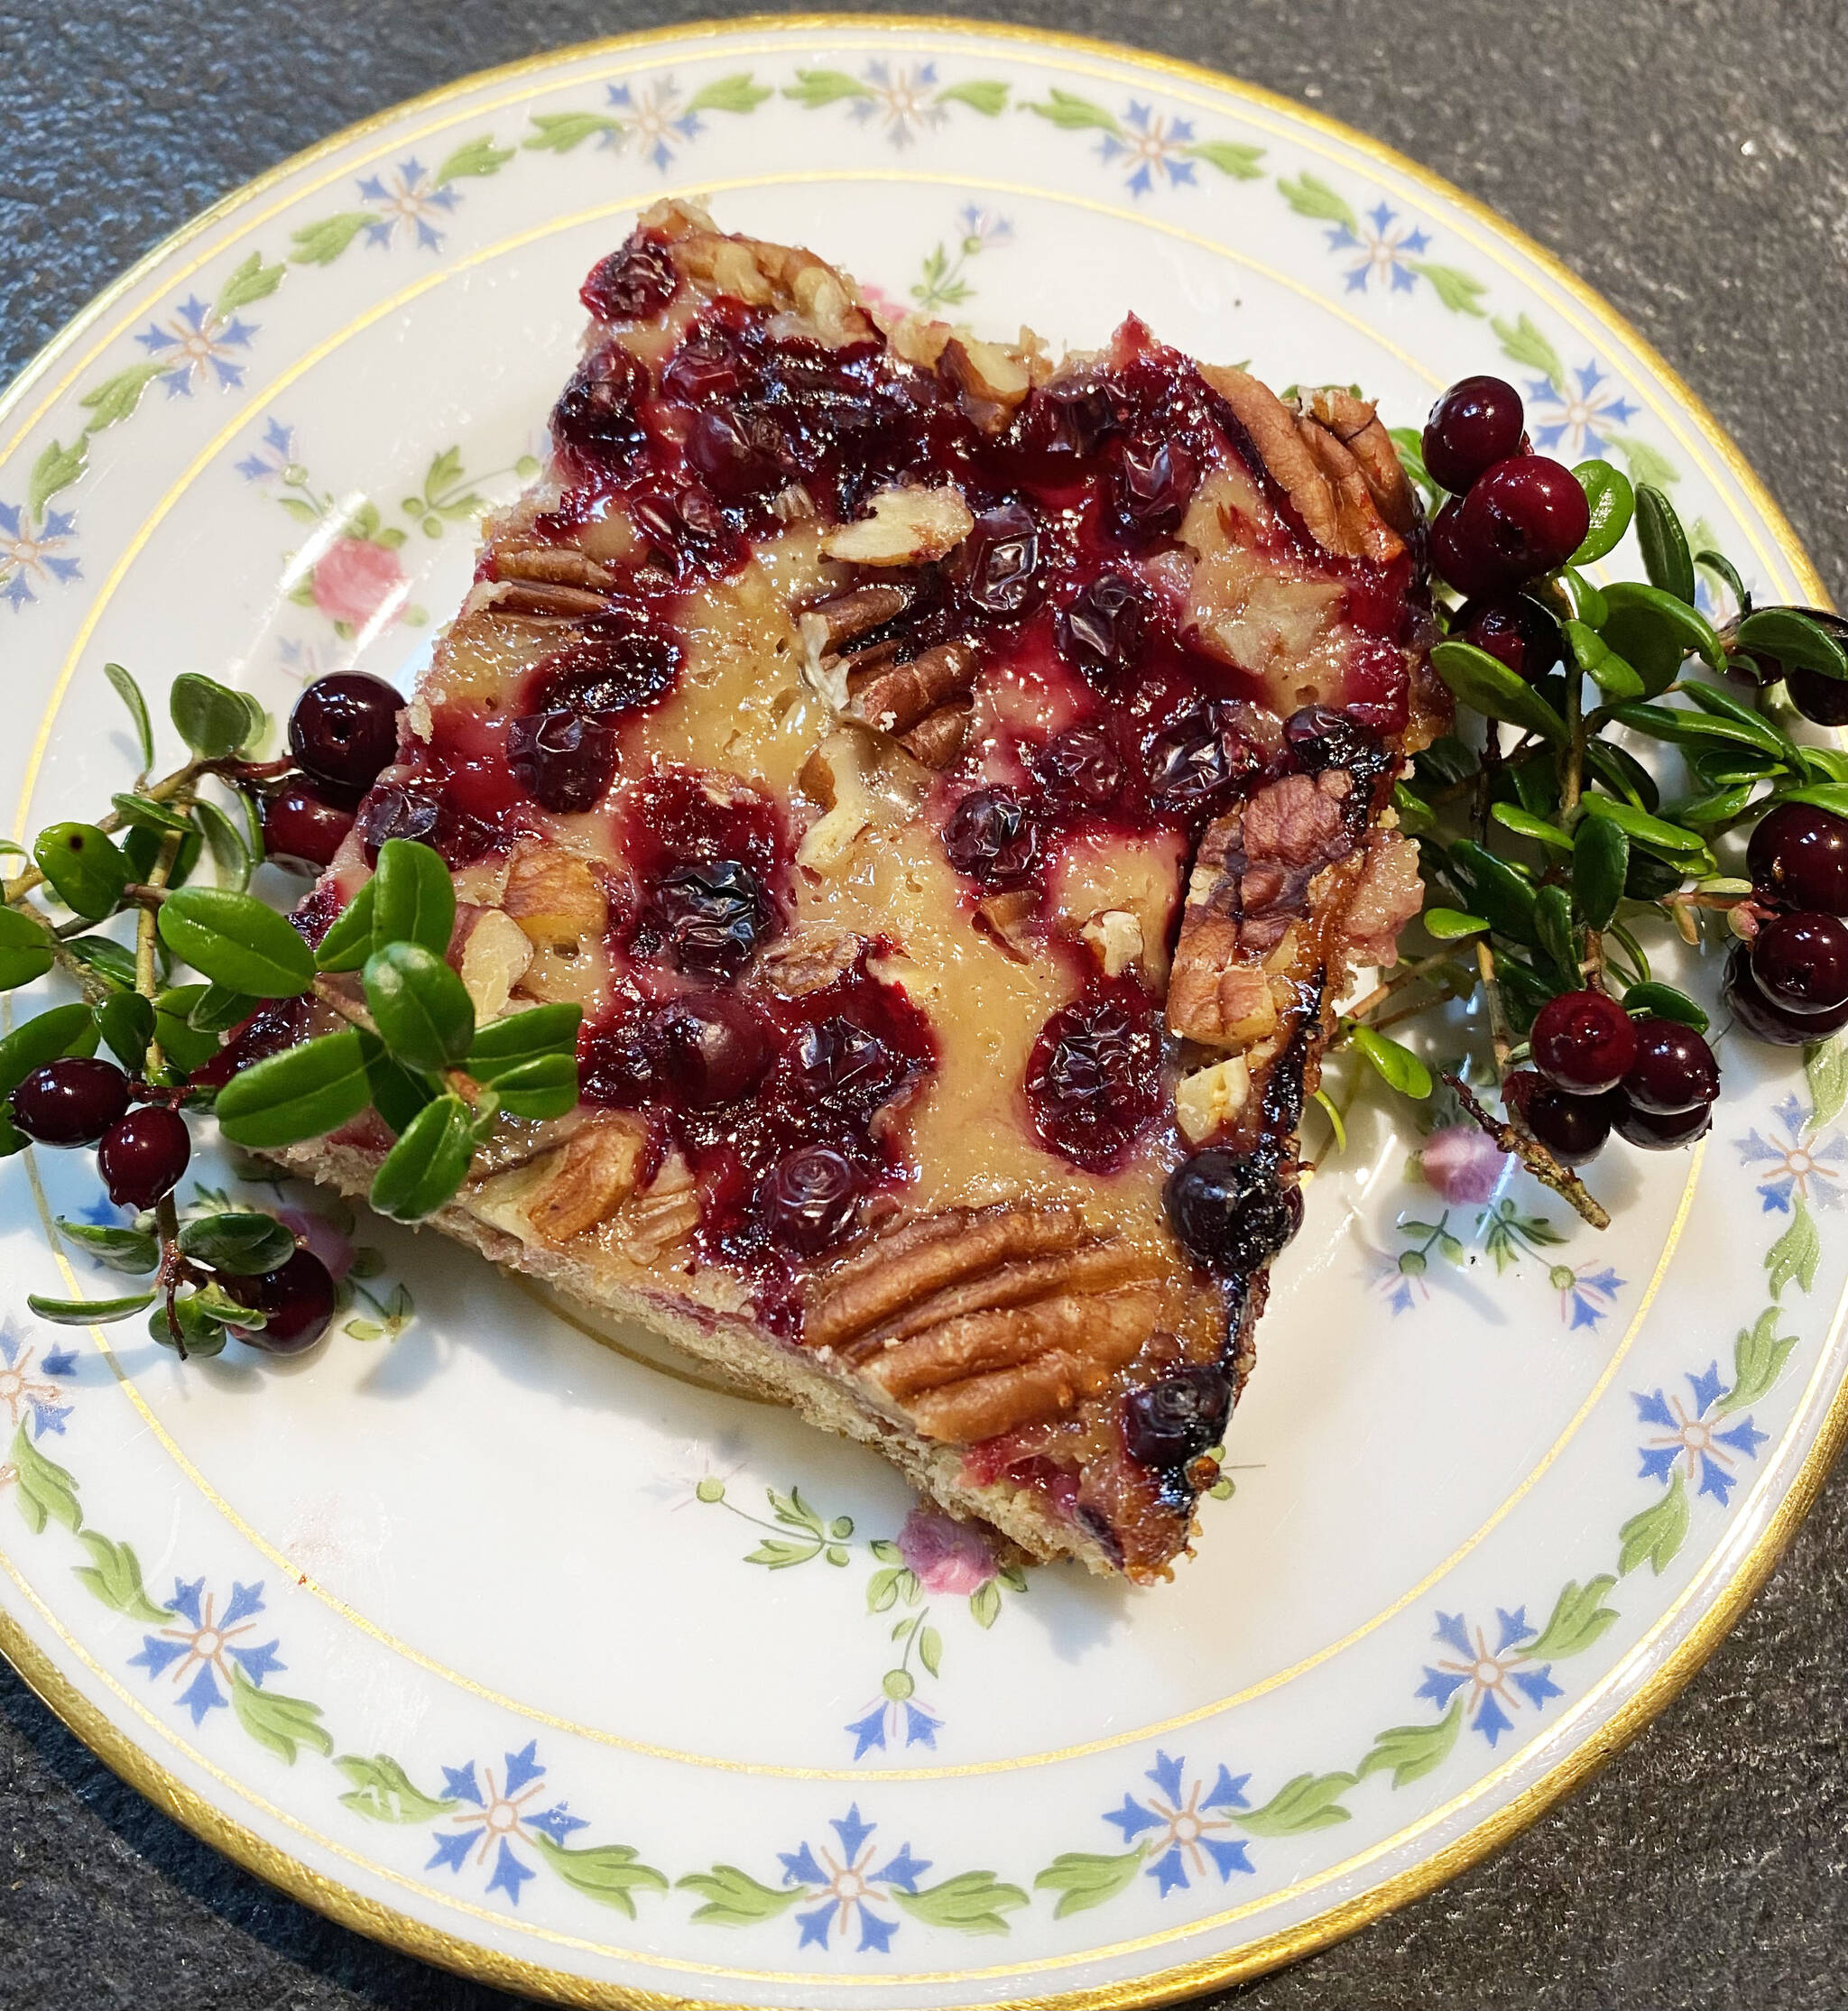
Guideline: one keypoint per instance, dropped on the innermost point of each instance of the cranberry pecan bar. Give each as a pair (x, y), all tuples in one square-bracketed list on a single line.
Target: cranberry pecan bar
[(955, 784)]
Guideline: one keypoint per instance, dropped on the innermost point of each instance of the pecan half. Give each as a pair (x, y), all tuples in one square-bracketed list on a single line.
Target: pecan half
[(831, 622), (662, 1216), (897, 697), (586, 1179), (553, 565), (937, 738)]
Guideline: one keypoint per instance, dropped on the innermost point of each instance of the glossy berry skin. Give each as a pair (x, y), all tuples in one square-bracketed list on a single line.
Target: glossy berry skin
[(1152, 485), (810, 1198), (1584, 1042), (1175, 1420), (299, 1298), (302, 829), (1573, 1128), (705, 1050), (1761, 1018), (994, 837), (1798, 858), (1458, 562), (1099, 632), (1517, 632), (1093, 1078), (1674, 1072), (1475, 423), (1823, 699), (72, 1101), (345, 728), (1082, 763), (1800, 964), (1230, 1209), (1651, 1133), (1522, 518), (635, 281), (713, 913), (562, 759), (143, 1154)]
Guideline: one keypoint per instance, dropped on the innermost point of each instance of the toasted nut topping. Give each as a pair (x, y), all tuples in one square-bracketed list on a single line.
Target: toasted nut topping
[(918, 340), (937, 738), (1115, 937), (834, 775), (494, 960), (586, 1179), (822, 298), (896, 697), (1214, 996), (811, 955), (554, 564), (990, 381), (1209, 1099), (539, 599), (662, 1216), (831, 622), (554, 897), (908, 527)]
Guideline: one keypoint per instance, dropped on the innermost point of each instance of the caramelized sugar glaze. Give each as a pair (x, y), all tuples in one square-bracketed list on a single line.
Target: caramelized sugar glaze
[(952, 785)]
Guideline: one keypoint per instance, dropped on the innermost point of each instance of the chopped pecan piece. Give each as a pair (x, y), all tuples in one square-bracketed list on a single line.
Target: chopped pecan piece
[(937, 738), (496, 955), (989, 381), (896, 697), (831, 622), (1354, 423), (1115, 937), (1384, 898), (555, 896), (907, 527), (811, 956), (586, 1179), (1208, 1100), (540, 600), (553, 566), (664, 1215)]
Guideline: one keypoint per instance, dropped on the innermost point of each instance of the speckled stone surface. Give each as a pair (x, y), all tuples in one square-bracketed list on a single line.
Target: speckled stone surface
[(1690, 159)]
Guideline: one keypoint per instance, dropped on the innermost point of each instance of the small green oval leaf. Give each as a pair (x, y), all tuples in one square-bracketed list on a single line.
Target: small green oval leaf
[(1665, 1002), (230, 854), (133, 1251), (1802, 636), (1583, 601), (1511, 816), (1396, 1066), (141, 847), (65, 1030), (1558, 937), (1646, 830), (236, 941), (545, 1087), (125, 1021), (219, 1008), (188, 1326), (26, 949), (83, 1313), (398, 1092), (1451, 925), (211, 718), (1825, 795), (1487, 685), (239, 1244), (85, 867), (1666, 558), (1654, 632), (304, 1093), (1727, 574), (348, 941), (185, 1047), (141, 813), (1600, 862), (413, 897), (420, 1007), (428, 1164), (129, 692), (1603, 666), (1611, 499), (517, 1038)]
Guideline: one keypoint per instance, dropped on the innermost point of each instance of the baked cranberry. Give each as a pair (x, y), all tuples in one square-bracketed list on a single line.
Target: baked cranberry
[(737, 454), (1573, 1128), (302, 829), (1798, 858), (143, 1154), (297, 1299), (1762, 1018), (992, 837), (1801, 963), (1066, 424), (1520, 519), (705, 1050), (998, 566), (1175, 1420), (1099, 632), (614, 664), (562, 759), (1818, 697), (1093, 1078), (1584, 1042), (1474, 424), (712, 913), (1151, 487), (631, 283), (1082, 763), (1518, 631), (1673, 1071), (345, 728), (810, 1197), (709, 364), (397, 812), (1197, 759), (1230, 1209), (1656, 1133), (840, 1063), (685, 529), (72, 1101), (598, 413)]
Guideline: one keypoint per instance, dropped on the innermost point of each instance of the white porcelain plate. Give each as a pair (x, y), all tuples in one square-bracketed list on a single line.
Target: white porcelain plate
[(543, 1661)]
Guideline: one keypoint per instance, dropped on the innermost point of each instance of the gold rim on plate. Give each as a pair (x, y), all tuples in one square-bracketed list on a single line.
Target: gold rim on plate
[(87, 1722)]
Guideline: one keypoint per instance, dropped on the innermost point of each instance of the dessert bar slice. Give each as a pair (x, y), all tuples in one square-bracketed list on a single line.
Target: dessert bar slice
[(955, 784)]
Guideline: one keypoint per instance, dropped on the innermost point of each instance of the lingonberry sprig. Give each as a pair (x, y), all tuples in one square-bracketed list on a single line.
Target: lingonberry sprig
[(1548, 853), (403, 1040)]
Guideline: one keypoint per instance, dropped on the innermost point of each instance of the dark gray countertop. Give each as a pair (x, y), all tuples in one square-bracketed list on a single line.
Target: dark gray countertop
[(1690, 158)]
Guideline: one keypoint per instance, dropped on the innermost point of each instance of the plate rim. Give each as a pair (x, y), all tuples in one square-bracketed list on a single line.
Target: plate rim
[(89, 1722)]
